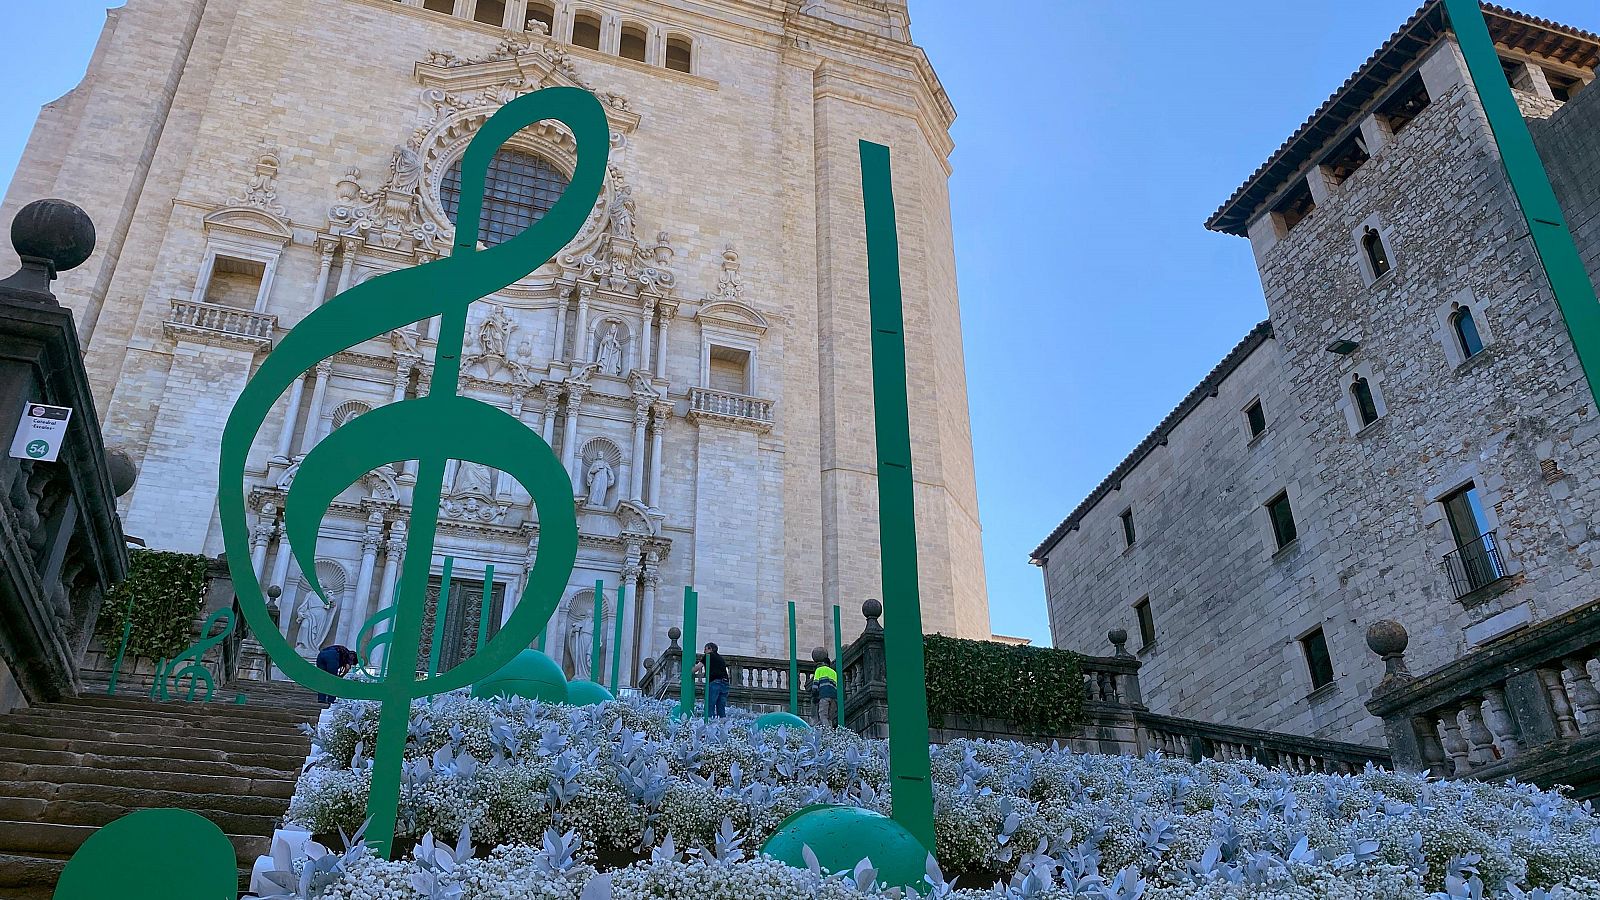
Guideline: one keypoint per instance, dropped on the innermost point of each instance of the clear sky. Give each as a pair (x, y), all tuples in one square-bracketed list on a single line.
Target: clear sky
[(1093, 140)]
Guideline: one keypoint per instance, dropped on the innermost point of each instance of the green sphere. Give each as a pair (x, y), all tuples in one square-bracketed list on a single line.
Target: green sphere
[(529, 674), (587, 693), (780, 720), (841, 836)]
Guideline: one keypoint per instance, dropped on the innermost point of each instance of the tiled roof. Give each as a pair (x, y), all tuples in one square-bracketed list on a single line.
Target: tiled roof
[(1206, 388)]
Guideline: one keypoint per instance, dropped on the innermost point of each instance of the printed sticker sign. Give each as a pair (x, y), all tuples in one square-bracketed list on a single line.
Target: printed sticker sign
[(41, 431)]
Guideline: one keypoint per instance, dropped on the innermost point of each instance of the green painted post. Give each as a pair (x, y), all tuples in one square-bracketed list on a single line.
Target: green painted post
[(691, 606), (116, 667), (1547, 225), (794, 667), (910, 778), (440, 611), (838, 665), (616, 637), (484, 603), (595, 640)]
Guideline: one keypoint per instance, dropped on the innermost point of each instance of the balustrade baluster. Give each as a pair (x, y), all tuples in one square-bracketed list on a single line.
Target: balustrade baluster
[(1584, 695), (1450, 737), (1428, 745), (1497, 716), (1480, 743), (1556, 689)]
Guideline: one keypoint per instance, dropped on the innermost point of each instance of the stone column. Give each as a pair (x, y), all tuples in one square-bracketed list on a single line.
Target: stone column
[(663, 414), (349, 267), (641, 414), (354, 615), (290, 414), (661, 341), (280, 574), (560, 352), (323, 269), (569, 437), (552, 403), (651, 573), (404, 364), (646, 331), (319, 391), (629, 669), (261, 536), (394, 554), (580, 339)]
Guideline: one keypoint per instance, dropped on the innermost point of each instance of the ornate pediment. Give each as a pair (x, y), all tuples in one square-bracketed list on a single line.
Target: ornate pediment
[(250, 222), (732, 314)]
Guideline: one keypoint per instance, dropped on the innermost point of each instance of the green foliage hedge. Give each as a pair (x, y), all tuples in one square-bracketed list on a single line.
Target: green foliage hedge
[(1037, 689), (162, 593)]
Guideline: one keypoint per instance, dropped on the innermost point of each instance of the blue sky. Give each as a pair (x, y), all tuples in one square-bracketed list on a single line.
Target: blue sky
[(1093, 141)]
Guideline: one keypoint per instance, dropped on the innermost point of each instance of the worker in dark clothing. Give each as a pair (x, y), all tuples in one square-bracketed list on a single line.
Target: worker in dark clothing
[(335, 660), (716, 682)]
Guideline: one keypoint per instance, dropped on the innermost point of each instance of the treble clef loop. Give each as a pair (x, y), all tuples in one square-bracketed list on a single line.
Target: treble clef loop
[(431, 430), (168, 672)]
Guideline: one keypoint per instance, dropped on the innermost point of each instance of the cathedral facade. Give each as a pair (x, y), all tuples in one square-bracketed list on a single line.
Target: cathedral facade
[(698, 357)]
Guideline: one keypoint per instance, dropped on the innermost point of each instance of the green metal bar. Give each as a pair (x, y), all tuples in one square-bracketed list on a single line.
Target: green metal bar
[(116, 667), (910, 778), (794, 667), (838, 664), (691, 606), (616, 637), (484, 603), (596, 638), (1547, 225), (441, 609)]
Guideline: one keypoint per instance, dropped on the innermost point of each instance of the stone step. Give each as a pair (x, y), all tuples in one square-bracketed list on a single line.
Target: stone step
[(243, 765), (158, 736), (34, 878), (95, 813), (167, 748), (61, 841), (85, 703), (145, 798), (239, 729), (151, 779)]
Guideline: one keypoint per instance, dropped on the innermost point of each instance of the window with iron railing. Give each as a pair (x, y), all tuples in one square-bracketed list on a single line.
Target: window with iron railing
[(1475, 565)]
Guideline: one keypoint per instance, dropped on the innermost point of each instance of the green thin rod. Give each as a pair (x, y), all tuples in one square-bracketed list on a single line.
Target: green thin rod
[(616, 637), (441, 609), (794, 667), (116, 667), (838, 666), (1547, 225), (484, 603), (596, 634), (910, 780), (691, 617)]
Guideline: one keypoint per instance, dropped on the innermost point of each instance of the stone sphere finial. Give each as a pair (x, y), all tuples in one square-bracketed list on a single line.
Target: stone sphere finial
[(1119, 640), (673, 634), (119, 465), (1388, 639), (53, 231), (873, 610), (819, 655)]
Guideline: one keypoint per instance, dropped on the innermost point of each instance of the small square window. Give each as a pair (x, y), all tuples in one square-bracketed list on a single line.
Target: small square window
[(1256, 417), (1147, 623), (1283, 527), (1128, 533), (1315, 647)]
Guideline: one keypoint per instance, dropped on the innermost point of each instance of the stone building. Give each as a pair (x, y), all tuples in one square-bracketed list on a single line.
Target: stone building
[(1408, 436), (698, 356)]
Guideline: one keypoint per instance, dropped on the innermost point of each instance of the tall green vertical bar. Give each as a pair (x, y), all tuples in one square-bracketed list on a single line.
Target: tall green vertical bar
[(910, 779), (598, 636), (1547, 225), (838, 665), (616, 636), (794, 667), (484, 603), (691, 604), (441, 609)]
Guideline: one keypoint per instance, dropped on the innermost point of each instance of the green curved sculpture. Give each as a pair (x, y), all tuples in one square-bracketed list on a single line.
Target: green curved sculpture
[(780, 720), (587, 693), (841, 836), (132, 858), (529, 674)]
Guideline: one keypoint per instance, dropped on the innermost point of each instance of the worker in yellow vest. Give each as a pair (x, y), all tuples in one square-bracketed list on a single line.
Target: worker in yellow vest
[(825, 684)]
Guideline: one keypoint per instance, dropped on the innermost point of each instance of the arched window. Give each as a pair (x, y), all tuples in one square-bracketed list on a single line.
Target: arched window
[(1466, 329), (519, 190), (546, 15), (680, 54), (586, 31), (1377, 256), (1366, 409), (633, 43), (447, 7), (490, 12)]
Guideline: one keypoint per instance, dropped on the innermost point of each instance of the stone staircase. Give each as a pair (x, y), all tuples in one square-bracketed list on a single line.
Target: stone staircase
[(67, 768)]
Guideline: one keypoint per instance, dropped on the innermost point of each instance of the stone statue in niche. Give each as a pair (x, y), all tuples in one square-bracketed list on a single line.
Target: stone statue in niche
[(622, 212), (580, 646), (599, 478), (610, 353), (312, 616), (407, 169), (473, 478)]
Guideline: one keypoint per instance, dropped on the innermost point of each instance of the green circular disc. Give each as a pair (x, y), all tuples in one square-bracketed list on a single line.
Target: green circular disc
[(841, 836), (780, 720), (529, 674), (587, 693)]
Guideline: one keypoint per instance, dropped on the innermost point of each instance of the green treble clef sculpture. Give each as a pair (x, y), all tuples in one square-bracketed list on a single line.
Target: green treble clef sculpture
[(431, 430)]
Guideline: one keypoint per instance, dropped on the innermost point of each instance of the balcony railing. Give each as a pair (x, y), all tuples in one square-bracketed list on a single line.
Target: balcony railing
[(1475, 566), (227, 324), (730, 409)]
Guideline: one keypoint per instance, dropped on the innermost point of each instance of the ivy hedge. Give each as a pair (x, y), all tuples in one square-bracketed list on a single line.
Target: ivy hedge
[(162, 594), (1037, 689)]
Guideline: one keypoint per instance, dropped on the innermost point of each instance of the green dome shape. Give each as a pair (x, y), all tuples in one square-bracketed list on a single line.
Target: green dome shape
[(780, 720), (529, 674), (587, 693), (841, 836)]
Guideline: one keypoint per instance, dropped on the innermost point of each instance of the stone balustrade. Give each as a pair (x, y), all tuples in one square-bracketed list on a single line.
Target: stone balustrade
[(1525, 706), (754, 683), (730, 409), (213, 322), (1192, 740)]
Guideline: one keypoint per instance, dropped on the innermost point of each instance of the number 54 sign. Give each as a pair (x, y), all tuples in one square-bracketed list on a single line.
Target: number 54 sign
[(41, 431)]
